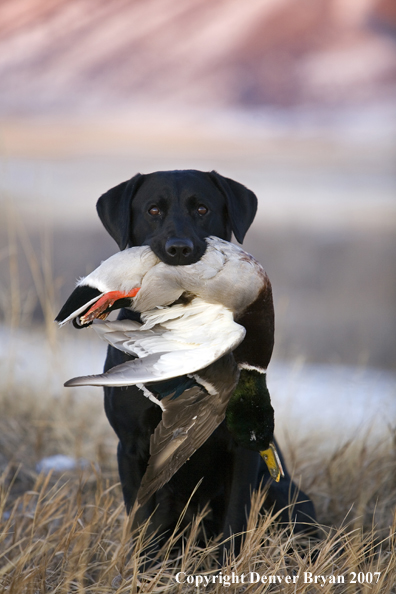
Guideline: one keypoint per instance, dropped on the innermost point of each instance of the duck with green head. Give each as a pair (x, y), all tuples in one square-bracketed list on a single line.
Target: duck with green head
[(250, 419)]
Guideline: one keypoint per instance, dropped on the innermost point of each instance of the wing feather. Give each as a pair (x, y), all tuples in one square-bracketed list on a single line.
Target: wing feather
[(186, 424)]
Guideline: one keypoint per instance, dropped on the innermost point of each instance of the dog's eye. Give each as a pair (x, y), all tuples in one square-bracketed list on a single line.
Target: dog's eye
[(202, 210), (154, 211)]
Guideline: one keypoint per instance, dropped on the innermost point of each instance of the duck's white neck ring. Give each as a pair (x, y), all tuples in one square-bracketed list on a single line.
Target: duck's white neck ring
[(252, 367)]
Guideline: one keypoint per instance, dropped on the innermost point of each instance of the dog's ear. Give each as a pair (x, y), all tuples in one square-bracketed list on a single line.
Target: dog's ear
[(241, 204), (114, 210)]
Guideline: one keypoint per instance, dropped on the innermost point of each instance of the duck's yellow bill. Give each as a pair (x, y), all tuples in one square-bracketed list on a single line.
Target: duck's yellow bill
[(272, 460)]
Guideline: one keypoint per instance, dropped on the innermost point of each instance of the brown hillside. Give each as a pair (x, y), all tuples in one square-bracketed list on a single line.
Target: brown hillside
[(63, 55)]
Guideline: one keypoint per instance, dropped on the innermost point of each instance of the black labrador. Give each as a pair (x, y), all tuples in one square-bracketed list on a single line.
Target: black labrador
[(173, 212)]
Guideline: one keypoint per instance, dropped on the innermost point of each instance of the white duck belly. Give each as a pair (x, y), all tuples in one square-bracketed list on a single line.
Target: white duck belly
[(225, 274)]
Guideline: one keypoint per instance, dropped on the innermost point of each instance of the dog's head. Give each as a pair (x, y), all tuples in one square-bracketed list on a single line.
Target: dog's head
[(173, 212)]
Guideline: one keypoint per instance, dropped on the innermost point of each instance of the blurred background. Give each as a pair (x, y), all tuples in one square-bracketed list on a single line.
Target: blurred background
[(293, 98)]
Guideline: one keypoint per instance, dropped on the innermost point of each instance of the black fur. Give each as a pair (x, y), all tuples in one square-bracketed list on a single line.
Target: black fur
[(173, 212)]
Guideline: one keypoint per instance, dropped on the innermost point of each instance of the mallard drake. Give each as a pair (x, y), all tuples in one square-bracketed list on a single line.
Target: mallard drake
[(188, 325)]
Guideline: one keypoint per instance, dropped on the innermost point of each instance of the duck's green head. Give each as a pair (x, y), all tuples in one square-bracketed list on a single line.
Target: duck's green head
[(250, 418)]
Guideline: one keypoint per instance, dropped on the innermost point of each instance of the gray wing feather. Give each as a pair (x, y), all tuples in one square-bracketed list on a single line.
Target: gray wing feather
[(140, 369)]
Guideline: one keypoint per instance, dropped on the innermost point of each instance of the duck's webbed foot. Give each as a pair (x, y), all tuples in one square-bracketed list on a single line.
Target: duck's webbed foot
[(101, 309)]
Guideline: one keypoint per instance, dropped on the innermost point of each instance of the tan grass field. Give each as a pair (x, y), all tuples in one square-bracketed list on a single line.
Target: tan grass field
[(69, 532)]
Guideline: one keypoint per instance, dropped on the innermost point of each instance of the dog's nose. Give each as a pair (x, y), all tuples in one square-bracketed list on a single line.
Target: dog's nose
[(179, 248)]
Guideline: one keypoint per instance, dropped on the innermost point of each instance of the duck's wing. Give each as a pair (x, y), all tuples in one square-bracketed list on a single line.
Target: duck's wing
[(168, 345), (187, 422), (154, 368)]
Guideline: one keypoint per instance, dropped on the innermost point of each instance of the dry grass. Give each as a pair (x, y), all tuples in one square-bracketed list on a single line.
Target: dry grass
[(69, 533)]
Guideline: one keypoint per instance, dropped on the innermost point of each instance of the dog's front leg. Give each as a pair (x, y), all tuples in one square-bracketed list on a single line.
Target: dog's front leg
[(244, 477)]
